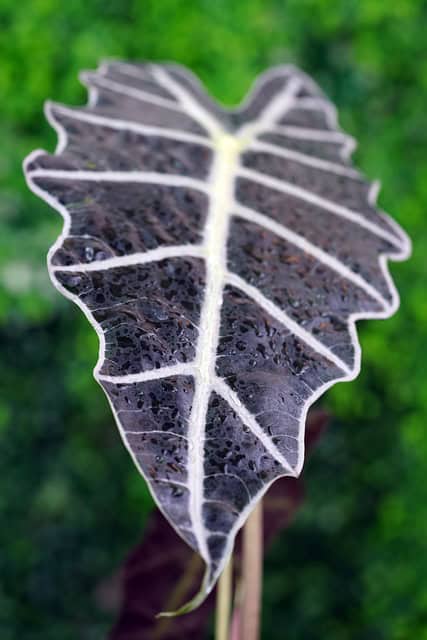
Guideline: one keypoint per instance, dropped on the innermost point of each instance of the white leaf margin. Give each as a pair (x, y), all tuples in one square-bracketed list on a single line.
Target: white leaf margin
[(208, 121)]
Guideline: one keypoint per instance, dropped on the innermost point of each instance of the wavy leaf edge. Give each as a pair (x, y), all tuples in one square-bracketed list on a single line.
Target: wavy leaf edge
[(225, 147)]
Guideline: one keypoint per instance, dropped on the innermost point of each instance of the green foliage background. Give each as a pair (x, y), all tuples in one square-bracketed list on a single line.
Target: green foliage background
[(354, 563)]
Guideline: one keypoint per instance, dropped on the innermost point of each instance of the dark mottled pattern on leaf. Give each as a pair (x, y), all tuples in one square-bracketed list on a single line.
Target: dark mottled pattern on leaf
[(107, 149), (355, 246), (154, 420), (136, 106), (327, 150), (307, 118), (287, 275), (109, 219), (272, 372), (223, 257), (148, 313), (162, 572)]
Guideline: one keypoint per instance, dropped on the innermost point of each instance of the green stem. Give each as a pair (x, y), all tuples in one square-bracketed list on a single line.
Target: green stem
[(223, 602), (252, 563)]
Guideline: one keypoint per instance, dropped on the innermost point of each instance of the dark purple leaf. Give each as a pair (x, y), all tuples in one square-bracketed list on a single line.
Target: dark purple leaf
[(163, 572), (223, 257)]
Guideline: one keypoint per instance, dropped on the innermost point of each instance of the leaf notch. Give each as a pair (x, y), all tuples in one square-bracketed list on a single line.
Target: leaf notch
[(223, 258)]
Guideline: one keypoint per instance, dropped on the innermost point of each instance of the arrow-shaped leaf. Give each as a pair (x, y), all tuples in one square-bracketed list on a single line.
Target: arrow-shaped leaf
[(223, 257)]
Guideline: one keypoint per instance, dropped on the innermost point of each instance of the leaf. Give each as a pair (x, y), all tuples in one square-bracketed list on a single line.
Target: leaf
[(163, 572), (223, 257)]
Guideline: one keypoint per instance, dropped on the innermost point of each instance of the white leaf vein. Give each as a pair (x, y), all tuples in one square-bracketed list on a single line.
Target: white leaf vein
[(318, 135), (277, 313), (308, 196), (144, 177), (117, 87), (214, 241), (126, 125), (249, 420), (179, 369), (299, 241), (303, 158), (139, 258)]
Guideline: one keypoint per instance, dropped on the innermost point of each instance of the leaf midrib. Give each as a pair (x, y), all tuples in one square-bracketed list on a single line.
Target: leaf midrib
[(215, 244)]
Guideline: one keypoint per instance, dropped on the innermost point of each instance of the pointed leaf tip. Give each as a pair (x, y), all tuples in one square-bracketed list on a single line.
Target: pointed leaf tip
[(223, 258)]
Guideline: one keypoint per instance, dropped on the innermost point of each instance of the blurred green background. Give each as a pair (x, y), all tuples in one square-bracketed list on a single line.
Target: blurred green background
[(354, 563)]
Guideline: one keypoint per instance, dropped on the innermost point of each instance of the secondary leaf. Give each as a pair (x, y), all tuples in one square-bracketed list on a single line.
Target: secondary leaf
[(223, 257)]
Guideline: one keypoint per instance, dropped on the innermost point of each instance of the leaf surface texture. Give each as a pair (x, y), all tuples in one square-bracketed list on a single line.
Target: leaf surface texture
[(223, 257)]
